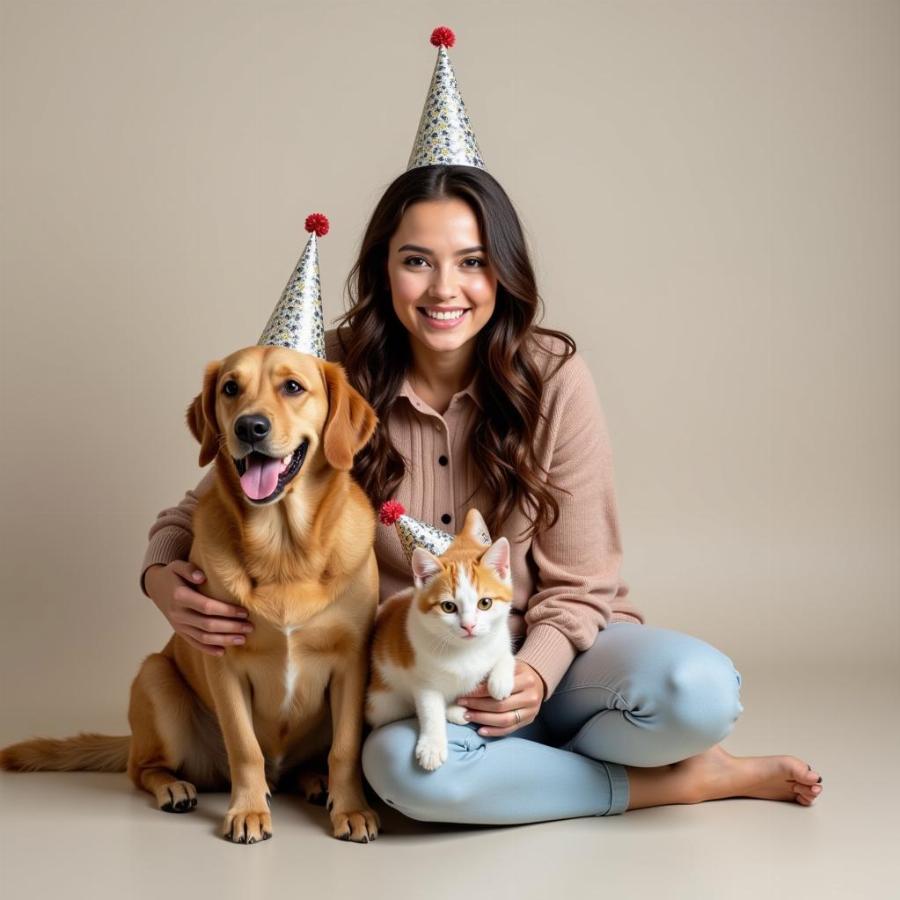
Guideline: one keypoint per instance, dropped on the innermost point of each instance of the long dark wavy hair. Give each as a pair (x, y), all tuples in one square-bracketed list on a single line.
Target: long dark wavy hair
[(377, 350)]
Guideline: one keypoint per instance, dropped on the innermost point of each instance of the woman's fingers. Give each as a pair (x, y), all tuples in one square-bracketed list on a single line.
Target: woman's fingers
[(212, 625), (209, 641), (188, 571), (489, 704), (206, 606), (497, 720), (500, 724), (210, 649)]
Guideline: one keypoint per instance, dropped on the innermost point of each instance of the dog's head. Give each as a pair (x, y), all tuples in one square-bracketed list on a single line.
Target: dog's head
[(269, 409)]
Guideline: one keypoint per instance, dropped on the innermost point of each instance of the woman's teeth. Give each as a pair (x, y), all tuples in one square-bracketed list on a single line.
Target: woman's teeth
[(444, 315)]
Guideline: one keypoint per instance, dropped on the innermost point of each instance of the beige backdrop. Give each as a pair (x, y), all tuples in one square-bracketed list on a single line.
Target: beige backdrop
[(711, 194)]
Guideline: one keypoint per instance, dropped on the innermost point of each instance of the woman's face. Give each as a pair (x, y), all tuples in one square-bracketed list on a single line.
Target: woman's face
[(442, 287)]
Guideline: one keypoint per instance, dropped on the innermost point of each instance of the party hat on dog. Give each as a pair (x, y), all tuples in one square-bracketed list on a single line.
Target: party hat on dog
[(298, 321), (445, 136)]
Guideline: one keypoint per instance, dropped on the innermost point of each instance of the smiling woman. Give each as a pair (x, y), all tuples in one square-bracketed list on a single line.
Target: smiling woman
[(481, 407), (444, 295)]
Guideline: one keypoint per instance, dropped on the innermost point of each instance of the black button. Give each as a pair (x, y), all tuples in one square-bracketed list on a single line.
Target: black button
[(443, 460), (445, 518)]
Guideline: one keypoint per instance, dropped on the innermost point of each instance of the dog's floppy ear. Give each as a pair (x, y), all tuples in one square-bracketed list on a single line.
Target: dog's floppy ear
[(350, 421), (201, 416)]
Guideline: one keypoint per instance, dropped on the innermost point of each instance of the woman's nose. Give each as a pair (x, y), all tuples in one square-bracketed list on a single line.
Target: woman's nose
[(443, 285)]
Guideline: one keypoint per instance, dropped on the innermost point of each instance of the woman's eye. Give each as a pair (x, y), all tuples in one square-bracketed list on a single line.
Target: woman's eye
[(414, 261), (230, 388), (479, 263), (292, 387), (448, 607), (485, 603)]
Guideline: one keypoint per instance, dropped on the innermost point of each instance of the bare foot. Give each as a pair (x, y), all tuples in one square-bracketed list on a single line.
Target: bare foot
[(716, 774)]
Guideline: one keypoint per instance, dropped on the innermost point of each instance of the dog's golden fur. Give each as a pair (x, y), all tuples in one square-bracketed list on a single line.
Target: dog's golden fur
[(303, 566)]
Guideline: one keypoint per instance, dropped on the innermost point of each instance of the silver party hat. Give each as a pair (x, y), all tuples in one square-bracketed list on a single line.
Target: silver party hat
[(412, 532), (445, 137), (298, 321)]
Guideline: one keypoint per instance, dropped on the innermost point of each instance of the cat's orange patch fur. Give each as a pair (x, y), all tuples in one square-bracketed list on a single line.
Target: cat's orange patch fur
[(391, 643)]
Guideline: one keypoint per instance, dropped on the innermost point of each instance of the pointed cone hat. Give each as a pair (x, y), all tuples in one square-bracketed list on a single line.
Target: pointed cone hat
[(298, 321), (412, 532), (445, 137)]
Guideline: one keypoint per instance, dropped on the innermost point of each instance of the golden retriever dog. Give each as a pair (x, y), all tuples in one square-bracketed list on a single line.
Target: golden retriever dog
[(287, 534)]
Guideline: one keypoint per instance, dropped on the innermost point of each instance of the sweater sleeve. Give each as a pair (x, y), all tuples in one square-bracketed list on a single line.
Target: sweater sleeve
[(171, 534), (577, 586)]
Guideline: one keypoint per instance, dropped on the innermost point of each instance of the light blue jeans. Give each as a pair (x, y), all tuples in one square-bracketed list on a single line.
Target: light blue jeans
[(641, 696)]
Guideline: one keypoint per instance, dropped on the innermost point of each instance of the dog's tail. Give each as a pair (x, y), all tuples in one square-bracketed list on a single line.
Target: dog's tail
[(84, 752)]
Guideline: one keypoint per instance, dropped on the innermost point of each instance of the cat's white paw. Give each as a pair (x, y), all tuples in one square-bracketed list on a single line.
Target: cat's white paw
[(431, 752), (500, 684), (456, 714)]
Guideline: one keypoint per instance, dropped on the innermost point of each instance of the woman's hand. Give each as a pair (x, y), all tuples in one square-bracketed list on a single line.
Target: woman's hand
[(207, 625), (500, 716)]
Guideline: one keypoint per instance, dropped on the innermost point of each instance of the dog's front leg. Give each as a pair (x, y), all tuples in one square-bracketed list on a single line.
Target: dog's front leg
[(248, 819), (351, 818)]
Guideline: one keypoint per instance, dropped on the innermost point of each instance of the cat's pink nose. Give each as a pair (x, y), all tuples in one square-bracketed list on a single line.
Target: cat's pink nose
[(470, 629)]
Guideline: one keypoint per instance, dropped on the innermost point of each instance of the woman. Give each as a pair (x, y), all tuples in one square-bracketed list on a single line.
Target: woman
[(481, 407)]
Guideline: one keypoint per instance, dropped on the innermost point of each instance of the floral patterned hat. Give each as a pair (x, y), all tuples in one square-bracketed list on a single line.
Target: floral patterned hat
[(298, 321), (445, 136), (413, 533)]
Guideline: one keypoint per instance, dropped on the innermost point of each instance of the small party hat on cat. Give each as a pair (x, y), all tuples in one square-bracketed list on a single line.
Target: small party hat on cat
[(298, 321), (445, 136), (413, 533)]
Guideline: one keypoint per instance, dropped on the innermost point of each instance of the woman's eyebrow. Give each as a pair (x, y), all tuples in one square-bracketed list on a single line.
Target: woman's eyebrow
[(417, 249)]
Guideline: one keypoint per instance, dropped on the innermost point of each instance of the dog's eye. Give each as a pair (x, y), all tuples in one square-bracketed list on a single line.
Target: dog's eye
[(485, 603), (230, 388), (448, 607), (293, 387)]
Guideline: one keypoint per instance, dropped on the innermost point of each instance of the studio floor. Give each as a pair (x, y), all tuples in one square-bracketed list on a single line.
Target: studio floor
[(87, 834)]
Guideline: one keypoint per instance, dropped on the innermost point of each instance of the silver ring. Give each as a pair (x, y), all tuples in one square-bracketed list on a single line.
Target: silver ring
[(518, 717)]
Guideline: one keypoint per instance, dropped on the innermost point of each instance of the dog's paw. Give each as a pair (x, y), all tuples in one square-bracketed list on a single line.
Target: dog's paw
[(314, 787), (500, 684), (359, 826), (431, 753), (456, 714), (176, 797), (245, 826)]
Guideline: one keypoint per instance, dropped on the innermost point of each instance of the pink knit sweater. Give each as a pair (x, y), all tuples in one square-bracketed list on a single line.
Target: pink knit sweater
[(566, 578)]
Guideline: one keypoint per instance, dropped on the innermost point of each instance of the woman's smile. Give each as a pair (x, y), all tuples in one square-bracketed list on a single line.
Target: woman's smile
[(443, 317)]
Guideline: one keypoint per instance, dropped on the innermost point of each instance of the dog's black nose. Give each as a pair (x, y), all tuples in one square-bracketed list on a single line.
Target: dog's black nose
[(251, 429)]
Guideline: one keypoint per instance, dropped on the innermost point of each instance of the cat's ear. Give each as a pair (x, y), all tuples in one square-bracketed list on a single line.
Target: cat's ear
[(424, 566), (476, 528), (497, 558)]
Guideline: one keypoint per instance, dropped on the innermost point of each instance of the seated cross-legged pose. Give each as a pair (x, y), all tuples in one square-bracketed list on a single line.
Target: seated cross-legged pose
[(482, 408)]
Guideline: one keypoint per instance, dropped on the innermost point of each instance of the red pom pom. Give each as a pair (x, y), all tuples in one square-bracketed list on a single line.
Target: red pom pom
[(390, 511), (443, 37), (318, 223)]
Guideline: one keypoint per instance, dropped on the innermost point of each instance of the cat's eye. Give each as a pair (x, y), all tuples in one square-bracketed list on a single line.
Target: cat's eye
[(485, 603), (448, 607)]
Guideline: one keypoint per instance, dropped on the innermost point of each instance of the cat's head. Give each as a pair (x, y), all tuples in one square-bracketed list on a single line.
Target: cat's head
[(466, 593)]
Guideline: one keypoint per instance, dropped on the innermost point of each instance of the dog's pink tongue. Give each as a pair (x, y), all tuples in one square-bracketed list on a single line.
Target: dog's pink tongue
[(261, 476)]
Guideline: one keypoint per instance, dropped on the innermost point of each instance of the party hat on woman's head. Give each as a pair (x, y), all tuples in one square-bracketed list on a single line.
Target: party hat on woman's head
[(298, 321), (445, 137), (412, 532)]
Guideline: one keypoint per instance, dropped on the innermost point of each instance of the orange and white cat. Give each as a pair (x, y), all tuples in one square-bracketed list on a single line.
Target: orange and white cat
[(441, 638)]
